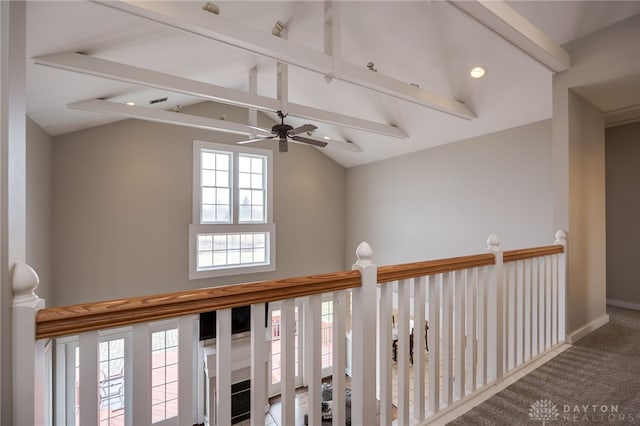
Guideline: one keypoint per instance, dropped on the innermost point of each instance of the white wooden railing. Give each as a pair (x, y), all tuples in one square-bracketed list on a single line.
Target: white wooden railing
[(487, 315), (487, 318)]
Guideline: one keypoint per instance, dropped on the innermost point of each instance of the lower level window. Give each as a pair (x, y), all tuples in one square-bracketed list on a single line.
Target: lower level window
[(219, 250)]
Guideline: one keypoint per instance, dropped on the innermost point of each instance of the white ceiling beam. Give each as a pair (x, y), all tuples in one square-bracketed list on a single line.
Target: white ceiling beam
[(187, 120), (167, 117), (253, 90), (85, 64), (217, 28), (367, 78), (333, 35), (282, 77), (303, 111), (513, 27), (121, 72), (343, 145)]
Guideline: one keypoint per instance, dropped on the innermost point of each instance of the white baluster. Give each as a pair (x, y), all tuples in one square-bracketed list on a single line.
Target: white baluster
[(482, 326), (313, 348), (287, 357), (89, 397), (223, 368), (548, 261), (30, 394), (258, 364), (542, 300), (385, 346), (187, 371), (339, 361), (527, 309), (561, 239), (435, 284), (554, 299), (519, 265), (510, 325), (403, 351), (535, 307), (419, 285), (363, 404), (141, 374), (447, 339), (495, 314), (471, 325), (459, 334)]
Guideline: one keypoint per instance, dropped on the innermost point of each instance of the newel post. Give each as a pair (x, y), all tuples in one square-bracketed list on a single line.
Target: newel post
[(28, 358), (561, 239), (363, 408), (495, 313)]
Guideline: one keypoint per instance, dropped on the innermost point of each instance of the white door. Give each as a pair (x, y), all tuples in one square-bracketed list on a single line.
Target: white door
[(327, 337), (274, 360)]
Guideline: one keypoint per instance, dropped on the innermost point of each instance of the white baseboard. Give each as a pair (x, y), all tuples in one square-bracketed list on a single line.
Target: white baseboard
[(626, 305), (587, 328)]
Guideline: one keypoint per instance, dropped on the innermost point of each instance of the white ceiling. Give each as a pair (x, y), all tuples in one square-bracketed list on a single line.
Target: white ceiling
[(432, 44)]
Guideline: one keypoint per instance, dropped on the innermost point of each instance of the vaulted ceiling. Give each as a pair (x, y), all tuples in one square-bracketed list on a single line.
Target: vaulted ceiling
[(421, 96)]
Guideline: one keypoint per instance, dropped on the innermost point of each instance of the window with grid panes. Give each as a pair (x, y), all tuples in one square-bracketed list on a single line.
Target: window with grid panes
[(232, 231)]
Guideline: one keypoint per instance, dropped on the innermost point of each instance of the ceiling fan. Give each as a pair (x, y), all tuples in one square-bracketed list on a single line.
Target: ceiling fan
[(284, 132)]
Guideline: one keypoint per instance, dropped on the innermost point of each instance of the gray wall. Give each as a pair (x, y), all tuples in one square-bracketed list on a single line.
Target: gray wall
[(445, 201), (123, 203), (39, 206), (587, 229), (622, 146), (579, 164)]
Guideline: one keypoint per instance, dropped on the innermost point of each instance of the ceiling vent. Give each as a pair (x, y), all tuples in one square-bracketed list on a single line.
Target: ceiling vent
[(159, 100)]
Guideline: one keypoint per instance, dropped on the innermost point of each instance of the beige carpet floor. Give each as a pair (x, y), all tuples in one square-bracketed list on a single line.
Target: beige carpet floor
[(595, 382)]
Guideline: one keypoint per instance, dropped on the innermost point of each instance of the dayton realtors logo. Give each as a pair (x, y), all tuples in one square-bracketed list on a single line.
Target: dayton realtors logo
[(544, 410), (603, 413)]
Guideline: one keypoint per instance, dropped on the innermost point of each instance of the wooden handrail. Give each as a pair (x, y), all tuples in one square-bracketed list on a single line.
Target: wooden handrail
[(430, 267), (74, 319), (529, 253)]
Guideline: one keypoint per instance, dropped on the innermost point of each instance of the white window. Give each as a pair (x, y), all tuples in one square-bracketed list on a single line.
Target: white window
[(232, 231)]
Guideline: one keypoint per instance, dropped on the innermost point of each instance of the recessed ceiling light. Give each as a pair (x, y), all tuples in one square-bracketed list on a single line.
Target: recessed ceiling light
[(326, 137), (130, 103), (477, 72)]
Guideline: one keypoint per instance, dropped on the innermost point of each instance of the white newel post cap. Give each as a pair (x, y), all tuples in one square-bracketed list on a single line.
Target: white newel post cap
[(561, 238), (364, 252), (25, 282), (493, 243)]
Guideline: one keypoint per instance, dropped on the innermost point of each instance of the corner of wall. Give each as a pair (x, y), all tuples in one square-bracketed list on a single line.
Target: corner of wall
[(590, 327)]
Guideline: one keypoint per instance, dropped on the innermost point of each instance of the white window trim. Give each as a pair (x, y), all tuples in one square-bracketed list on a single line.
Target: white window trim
[(211, 228)]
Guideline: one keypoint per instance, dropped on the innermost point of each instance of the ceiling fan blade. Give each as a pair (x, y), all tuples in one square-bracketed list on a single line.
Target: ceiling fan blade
[(261, 131), (309, 141), (255, 140), (302, 129)]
